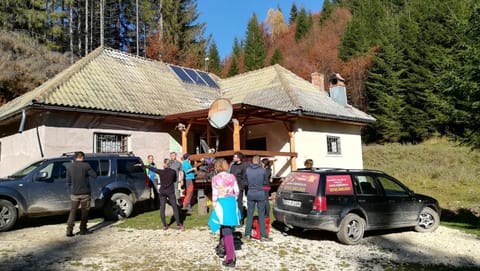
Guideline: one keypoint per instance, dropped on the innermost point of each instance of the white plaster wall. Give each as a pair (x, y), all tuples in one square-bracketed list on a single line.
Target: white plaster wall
[(277, 140), (311, 142), (19, 150)]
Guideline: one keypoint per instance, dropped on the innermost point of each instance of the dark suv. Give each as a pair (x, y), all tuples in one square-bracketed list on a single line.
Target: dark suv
[(41, 188), (349, 202)]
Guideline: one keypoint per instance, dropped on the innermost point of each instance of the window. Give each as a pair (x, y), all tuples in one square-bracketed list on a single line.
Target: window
[(333, 145), (365, 185), (392, 189), (101, 167), (106, 143)]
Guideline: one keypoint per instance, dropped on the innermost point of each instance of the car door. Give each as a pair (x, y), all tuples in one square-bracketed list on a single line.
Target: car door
[(370, 199), (103, 169), (48, 191), (402, 206)]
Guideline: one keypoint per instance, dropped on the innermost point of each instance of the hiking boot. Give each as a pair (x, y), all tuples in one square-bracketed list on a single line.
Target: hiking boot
[(69, 234), (165, 228), (180, 227), (266, 239), (85, 232), (230, 263)]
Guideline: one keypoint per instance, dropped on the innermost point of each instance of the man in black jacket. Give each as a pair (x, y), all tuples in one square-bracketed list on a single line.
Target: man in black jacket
[(78, 180), (238, 169), (166, 190)]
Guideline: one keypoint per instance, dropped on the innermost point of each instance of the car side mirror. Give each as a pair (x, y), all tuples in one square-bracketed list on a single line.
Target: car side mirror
[(41, 176)]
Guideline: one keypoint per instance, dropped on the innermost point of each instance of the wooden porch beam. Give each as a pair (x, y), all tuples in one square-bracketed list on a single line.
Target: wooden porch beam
[(185, 137)]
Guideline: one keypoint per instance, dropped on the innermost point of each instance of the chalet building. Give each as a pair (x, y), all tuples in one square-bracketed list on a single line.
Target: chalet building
[(111, 101)]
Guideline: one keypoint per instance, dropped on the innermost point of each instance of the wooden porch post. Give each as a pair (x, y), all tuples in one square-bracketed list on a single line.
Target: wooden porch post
[(236, 135), (293, 160), (291, 135), (184, 138)]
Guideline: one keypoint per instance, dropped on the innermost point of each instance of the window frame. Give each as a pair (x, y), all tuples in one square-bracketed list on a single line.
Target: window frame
[(118, 143), (338, 146)]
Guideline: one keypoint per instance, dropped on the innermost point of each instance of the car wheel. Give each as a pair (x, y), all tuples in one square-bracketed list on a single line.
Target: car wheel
[(427, 221), (351, 229), (118, 207), (8, 215)]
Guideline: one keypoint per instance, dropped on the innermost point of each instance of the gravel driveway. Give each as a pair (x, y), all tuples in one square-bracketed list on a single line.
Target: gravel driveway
[(112, 248)]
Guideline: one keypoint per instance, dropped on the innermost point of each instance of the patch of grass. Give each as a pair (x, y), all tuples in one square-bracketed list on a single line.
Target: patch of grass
[(438, 168), (151, 220)]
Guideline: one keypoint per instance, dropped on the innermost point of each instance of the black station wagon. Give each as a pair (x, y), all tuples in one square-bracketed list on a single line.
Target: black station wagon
[(41, 189), (350, 202)]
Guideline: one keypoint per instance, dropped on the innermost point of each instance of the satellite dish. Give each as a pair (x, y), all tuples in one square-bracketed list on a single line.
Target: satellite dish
[(220, 113)]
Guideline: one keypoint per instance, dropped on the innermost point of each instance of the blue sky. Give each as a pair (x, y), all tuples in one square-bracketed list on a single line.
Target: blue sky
[(227, 19)]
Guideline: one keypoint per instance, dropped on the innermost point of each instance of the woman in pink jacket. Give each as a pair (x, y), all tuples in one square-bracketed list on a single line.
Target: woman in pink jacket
[(225, 215)]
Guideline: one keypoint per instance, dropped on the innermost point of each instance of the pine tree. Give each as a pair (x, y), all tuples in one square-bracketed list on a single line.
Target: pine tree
[(237, 48), (255, 50), (214, 65), (326, 11), (293, 14), (233, 69), (276, 57), (303, 25)]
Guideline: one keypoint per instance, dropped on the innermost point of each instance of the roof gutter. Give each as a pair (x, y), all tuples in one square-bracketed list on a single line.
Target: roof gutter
[(94, 111), (301, 113)]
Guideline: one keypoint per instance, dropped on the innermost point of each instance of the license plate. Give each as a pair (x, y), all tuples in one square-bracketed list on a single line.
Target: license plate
[(293, 203)]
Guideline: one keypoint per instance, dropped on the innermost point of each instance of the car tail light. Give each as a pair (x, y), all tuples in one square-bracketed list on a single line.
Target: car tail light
[(320, 204)]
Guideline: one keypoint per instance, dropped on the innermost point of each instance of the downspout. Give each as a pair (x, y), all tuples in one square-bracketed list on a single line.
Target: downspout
[(39, 143), (22, 121)]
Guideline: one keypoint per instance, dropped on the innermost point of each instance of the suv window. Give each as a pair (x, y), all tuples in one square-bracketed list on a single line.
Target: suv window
[(392, 188), (365, 185), (101, 167), (127, 166), (56, 170)]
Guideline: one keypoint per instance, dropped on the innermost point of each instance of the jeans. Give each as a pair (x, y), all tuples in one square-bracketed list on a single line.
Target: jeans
[(84, 202), (256, 199)]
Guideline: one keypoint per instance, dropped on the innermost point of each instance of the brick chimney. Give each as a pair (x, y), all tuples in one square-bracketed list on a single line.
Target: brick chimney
[(318, 80)]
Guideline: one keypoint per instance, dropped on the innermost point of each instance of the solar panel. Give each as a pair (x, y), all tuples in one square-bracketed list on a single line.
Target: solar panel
[(196, 78), (181, 74), (208, 79)]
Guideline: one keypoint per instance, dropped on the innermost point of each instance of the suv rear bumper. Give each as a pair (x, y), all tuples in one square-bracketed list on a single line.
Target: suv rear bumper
[(307, 221)]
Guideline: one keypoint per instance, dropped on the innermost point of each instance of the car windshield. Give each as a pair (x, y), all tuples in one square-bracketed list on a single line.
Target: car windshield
[(26, 170)]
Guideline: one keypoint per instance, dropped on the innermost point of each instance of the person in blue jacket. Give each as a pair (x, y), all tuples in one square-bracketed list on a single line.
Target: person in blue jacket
[(256, 179)]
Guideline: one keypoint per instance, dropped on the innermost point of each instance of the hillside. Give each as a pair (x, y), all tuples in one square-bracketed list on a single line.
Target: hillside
[(437, 167)]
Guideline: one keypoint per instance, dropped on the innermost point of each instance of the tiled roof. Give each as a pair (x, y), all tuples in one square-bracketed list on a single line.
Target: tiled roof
[(110, 80), (277, 88)]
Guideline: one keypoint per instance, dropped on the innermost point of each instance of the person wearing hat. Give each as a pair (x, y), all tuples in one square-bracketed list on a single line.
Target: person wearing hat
[(189, 173)]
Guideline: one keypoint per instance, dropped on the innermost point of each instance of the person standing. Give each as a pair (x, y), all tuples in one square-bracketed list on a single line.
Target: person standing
[(189, 173), (78, 180), (166, 190), (238, 168), (266, 188), (177, 166), (153, 177), (256, 179), (225, 215)]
